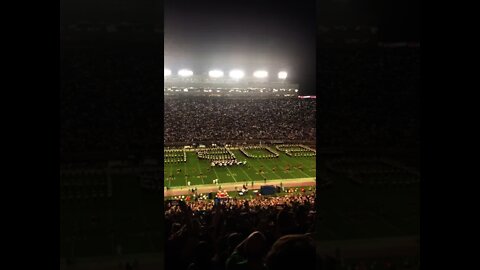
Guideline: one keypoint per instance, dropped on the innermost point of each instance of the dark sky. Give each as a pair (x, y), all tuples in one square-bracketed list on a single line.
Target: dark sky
[(250, 34), (275, 35), (397, 20), (111, 11)]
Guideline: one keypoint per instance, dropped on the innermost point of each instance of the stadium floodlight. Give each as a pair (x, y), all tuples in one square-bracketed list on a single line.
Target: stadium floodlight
[(282, 75), (237, 74), (215, 73), (260, 74), (185, 73), (166, 72)]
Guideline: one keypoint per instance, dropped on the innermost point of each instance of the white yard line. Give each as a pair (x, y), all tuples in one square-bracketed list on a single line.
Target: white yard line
[(245, 172), (274, 172), (283, 162), (231, 174), (215, 172), (200, 170)]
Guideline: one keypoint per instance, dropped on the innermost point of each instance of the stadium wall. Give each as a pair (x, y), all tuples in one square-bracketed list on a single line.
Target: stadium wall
[(238, 143)]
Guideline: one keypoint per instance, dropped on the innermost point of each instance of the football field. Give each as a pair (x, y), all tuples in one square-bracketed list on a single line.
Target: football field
[(200, 172)]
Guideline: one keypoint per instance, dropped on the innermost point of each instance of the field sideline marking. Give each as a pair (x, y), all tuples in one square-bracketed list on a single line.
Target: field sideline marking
[(230, 185)]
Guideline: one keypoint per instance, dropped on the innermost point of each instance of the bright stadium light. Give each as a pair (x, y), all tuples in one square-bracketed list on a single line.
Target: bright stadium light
[(215, 73), (185, 73), (260, 74), (236, 74), (282, 75), (166, 72)]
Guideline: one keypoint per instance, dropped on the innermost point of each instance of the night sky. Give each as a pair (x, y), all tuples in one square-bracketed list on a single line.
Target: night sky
[(267, 34), (251, 34)]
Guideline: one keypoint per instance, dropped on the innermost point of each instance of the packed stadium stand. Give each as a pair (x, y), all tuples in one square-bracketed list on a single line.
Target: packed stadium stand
[(194, 120)]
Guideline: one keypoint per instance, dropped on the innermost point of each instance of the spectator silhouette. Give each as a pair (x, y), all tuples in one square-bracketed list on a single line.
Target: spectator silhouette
[(202, 257), (249, 253), (292, 252)]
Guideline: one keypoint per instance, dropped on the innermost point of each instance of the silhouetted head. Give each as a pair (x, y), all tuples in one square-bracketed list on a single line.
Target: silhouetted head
[(256, 246), (203, 252), (286, 223), (175, 227), (233, 240), (292, 252)]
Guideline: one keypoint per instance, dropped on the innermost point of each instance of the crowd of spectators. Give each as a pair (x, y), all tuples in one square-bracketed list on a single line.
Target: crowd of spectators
[(194, 120), (271, 232), (112, 102)]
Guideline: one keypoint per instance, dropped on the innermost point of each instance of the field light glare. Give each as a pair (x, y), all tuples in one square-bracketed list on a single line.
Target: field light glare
[(215, 73), (282, 75), (166, 72), (237, 74), (185, 73), (260, 74)]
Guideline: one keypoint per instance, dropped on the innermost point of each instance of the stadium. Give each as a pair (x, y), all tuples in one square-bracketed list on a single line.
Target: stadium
[(233, 156), (233, 140), (237, 133)]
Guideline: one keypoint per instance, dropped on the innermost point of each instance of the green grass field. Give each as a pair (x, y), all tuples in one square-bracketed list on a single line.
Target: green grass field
[(199, 171)]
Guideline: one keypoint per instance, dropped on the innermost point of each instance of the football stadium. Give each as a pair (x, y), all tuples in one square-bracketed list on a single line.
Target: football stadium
[(221, 145), (111, 203), (264, 154), (233, 140)]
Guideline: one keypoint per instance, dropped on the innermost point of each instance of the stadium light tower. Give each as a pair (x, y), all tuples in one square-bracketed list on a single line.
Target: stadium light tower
[(185, 73), (282, 75), (166, 72), (237, 74), (260, 74), (215, 73)]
